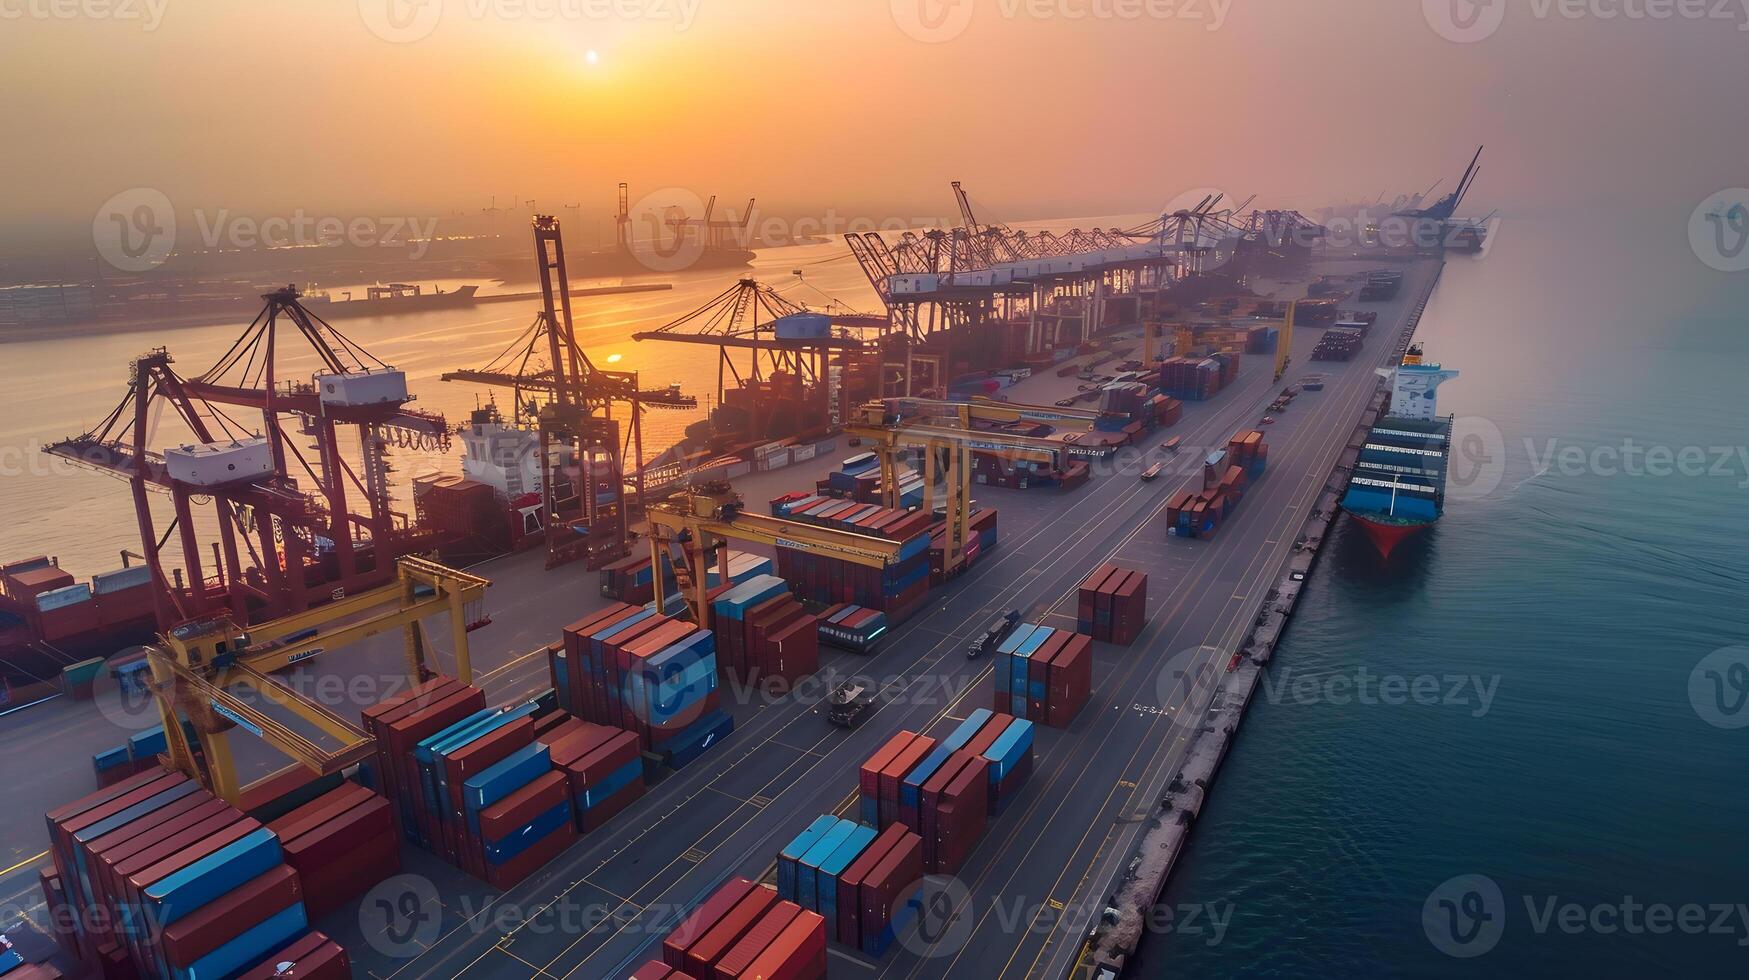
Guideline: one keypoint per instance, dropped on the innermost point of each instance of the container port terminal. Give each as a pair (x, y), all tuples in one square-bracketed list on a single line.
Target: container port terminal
[(1038, 894)]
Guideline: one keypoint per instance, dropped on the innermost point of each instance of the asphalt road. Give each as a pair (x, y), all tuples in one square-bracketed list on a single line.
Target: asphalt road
[(597, 911)]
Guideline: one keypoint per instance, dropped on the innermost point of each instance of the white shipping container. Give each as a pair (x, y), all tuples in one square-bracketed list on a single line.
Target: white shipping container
[(803, 453), (54, 599), (104, 583), (216, 464), (363, 388)]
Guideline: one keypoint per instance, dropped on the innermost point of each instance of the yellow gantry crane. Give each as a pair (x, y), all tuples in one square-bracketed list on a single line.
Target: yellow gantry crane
[(886, 427), (963, 414), (710, 516), (1284, 344), (198, 667)]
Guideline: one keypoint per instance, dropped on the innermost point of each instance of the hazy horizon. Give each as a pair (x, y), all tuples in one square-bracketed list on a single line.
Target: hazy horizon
[(343, 111)]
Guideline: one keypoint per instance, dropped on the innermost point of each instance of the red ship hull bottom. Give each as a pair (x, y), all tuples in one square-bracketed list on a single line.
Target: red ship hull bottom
[(1386, 537)]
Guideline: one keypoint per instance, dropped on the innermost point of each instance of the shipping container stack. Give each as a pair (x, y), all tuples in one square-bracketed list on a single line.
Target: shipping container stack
[(632, 668), (1248, 451), (897, 590), (940, 792), (1191, 379), (156, 877), (13, 966), (603, 767), (1262, 339), (138, 754), (744, 930), (341, 843), (860, 880), (1005, 742), (1113, 604), (473, 784), (1043, 674), (852, 627), (982, 540), (1166, 411), (764, 633), (1338, 344), (632, 580)]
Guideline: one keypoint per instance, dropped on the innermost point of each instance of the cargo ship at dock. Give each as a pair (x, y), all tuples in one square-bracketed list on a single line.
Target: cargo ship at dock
[(1397, 489)]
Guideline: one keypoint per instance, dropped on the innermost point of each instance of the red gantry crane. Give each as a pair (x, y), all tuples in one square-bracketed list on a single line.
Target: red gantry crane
[(317, 523), (586, 509)]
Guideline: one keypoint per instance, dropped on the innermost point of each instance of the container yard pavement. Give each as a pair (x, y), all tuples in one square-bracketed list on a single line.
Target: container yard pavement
[(599, 907)]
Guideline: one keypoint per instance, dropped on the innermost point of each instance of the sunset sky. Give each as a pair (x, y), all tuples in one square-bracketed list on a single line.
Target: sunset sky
[(273, 105)]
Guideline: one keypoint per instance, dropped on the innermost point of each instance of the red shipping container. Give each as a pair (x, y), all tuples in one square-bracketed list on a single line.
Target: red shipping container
[(521, 807), (330, 843), (851, 881), (961, 817), (758, 939), (702, 956), (891, 884), (870, 780), (314, 957), (658, 970), (368, 863), (229, 916), (896, 771), (794, 653), (692, 928), (538, 854), (799, 952)]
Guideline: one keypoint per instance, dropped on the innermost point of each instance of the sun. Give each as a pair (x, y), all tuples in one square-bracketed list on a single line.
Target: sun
[(592, 57)]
